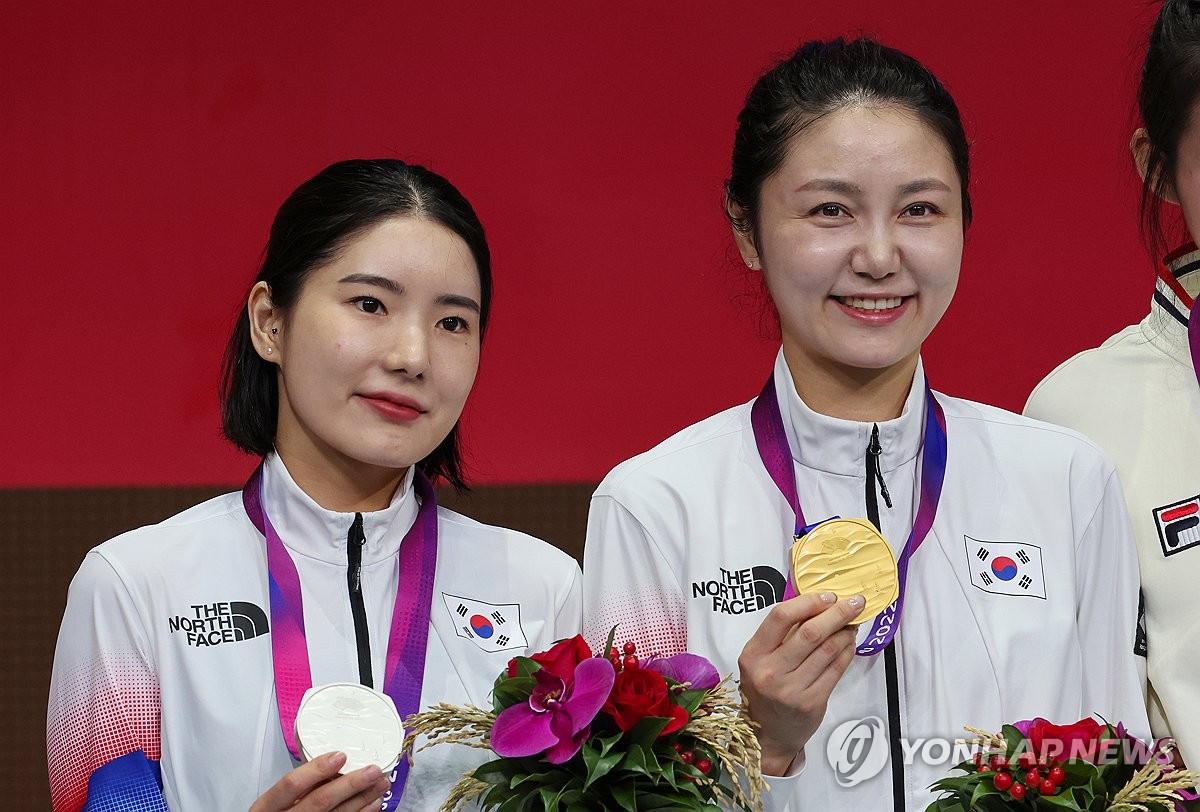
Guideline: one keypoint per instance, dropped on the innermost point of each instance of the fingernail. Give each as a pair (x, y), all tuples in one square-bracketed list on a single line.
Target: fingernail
[(857, 602), (335, 759), (827, 597)]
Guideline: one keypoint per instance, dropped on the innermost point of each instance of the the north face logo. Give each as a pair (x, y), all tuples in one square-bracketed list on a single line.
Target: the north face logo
[(211, 624), (737, 592)]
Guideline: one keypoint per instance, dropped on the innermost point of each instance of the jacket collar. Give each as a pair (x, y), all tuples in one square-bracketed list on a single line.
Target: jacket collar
[(839, 446), (310, 530)]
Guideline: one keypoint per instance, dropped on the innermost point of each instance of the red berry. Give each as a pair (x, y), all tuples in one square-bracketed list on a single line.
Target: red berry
[(703, 765), (1047, 787), (630, 662), (613, 653), (1057, 775), (677, 747), (687, 756), (1002, 781), (1017, 791), (999, 763), (978, 759), (1042, 764), (1033, 778), (1027, 760), (985, 767), (629, 648)]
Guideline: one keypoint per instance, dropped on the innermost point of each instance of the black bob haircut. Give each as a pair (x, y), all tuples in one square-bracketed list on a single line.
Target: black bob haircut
[(820, 78), (1167, 101), (312, 226)]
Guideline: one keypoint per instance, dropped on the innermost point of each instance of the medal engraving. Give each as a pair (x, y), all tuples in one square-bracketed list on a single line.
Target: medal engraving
[(357, 720), (847, 557)]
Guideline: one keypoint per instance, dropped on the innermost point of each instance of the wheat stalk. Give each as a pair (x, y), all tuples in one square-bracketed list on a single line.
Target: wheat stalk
[(467, 789), (445, 723), (723, 726), (986, 740), (1155, 783)]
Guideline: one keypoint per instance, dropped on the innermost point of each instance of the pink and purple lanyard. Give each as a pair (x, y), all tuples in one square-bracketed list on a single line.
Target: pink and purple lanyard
[(771, 439), (405, 669)]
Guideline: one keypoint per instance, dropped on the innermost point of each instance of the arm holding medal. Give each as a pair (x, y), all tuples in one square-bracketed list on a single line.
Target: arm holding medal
[(790, 667)]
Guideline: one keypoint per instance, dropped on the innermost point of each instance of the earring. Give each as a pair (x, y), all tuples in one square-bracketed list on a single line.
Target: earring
[(269, 350), (274, 330)]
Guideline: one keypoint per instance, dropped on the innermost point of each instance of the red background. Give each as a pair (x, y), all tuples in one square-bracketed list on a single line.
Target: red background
[(145, 147)]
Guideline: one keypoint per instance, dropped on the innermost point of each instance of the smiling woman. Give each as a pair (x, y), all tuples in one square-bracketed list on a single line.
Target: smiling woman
[(187, 647), (849, 193)]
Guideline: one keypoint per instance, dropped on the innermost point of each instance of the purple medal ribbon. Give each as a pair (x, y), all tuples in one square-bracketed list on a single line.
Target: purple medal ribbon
[(771, 439), (405, 668)]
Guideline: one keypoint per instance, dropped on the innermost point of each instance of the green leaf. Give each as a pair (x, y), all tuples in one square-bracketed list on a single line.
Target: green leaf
[(1013, 739), (608, 644), (625, 794), (646, 731), (599, 765), (690, 700), (510, 691), (635, 760), (549, 798)]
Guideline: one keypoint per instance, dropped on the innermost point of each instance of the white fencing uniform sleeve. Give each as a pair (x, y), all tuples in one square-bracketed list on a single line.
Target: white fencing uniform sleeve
[(630, 583), (102, 722), (1108, 580), (568, 616)]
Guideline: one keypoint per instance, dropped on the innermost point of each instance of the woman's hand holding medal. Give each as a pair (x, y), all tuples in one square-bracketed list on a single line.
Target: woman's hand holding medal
[(316, 786), (791, 665)]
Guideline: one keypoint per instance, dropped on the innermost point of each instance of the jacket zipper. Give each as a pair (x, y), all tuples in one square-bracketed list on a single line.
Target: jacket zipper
[(875, 477), (355, 540)]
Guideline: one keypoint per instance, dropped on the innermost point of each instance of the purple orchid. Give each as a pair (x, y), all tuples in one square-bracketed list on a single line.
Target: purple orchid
[(558, 716), (691, 669)]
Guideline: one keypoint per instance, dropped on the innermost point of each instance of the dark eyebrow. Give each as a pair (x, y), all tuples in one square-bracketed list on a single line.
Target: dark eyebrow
[(924, 185), (391, 286), (371, 279), (460, 301), (841, 187)]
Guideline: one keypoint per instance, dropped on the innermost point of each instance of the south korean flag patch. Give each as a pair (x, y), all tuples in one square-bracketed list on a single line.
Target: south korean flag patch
[(1006, 567), (1178, 525), (491, 626)]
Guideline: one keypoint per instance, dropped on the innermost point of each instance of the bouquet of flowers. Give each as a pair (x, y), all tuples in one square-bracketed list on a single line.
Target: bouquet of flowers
[(577, 731), (1089, 765)]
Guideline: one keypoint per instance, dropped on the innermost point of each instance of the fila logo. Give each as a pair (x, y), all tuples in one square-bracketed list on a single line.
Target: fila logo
[(211, 624), (1178, 525), (737, 592)]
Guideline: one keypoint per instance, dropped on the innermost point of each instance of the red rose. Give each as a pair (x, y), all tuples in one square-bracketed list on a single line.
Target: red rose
[(1080, 740), (638, 693), (560, 659)]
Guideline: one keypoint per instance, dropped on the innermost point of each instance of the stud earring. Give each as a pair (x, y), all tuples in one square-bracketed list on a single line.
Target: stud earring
[(269, 350), (274, 330)]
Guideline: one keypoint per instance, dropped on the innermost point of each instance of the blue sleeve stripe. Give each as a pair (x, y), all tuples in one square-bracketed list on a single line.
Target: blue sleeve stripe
[(131, 783)]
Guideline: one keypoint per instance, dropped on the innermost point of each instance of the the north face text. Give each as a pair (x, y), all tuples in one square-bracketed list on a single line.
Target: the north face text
[(210, 624), (737, 592)]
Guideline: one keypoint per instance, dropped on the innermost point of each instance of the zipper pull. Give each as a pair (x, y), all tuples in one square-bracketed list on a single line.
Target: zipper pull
[(355, 540), (875, 449)]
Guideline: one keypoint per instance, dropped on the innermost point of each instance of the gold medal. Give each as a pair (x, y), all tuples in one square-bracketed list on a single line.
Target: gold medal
[(847, 557)]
